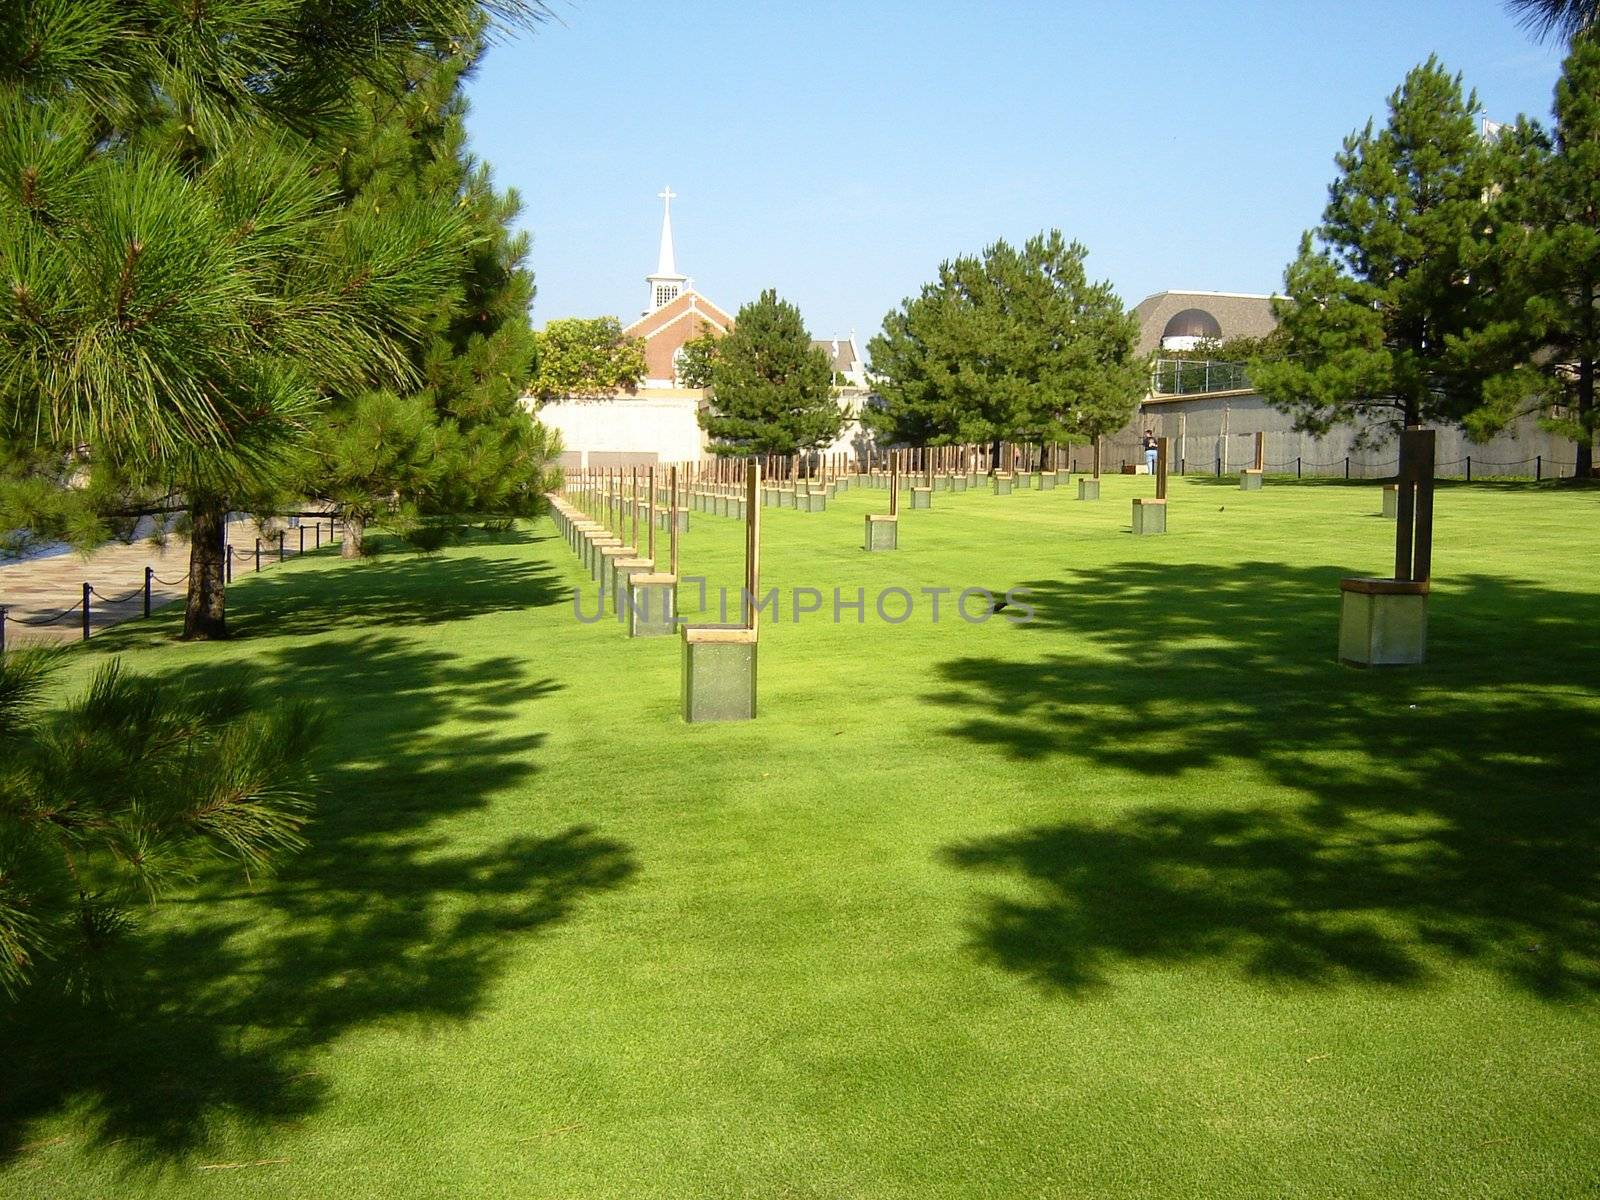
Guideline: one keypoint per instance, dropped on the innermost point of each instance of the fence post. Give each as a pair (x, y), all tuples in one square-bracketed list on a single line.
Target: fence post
[(317, 532), (1181, 470), (1347, 466), (1469, 468), (86, 590), (2, 628), (149, 573), (228, 559), (302, 539), (1219, 466), (258, 554), (280, 545), (1297, 466), (1538, 467)]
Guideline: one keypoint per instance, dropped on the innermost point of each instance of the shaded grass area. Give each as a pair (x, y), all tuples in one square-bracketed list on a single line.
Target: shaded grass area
[(1144, 897), (1387, 866)]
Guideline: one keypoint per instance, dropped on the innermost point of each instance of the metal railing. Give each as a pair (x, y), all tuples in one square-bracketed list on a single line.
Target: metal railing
[(1195, 377)]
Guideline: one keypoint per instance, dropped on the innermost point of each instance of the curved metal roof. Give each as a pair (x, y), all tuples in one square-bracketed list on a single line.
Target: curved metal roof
[(1193, 322)]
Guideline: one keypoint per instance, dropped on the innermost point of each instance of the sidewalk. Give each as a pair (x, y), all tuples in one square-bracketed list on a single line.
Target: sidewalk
[(38, 589)]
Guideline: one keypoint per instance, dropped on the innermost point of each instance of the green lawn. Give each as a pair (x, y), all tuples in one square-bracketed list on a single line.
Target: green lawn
[(1147, 897)]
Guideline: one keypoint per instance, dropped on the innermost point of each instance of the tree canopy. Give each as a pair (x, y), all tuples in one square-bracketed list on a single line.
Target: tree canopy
[(1547, 258), (454, 438), (771, 389), (188, 283), (697, 357), (1389, 296), (587, 357), (1014, 344)]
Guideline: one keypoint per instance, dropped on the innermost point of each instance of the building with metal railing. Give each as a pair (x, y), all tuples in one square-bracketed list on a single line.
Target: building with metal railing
[(1211, 413)]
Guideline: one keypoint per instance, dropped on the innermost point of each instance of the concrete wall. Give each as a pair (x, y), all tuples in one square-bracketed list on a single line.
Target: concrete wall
[(657, 426), (622, 431), (853, 439), (1205, 429)]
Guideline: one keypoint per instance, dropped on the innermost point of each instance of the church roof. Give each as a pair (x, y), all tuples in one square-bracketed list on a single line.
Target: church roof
[(688, 305), (841, 352)]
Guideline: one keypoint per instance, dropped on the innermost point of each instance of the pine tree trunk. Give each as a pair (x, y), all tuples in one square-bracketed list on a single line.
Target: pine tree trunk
[(1585, 464), (205, 613), (355, 533)]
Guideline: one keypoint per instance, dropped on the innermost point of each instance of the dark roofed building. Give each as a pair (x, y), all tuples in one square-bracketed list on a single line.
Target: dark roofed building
[(1192, 325), (845, 357), (1182, 320)]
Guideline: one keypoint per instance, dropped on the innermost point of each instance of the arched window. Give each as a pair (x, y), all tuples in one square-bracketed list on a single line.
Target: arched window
[(1189, 328)]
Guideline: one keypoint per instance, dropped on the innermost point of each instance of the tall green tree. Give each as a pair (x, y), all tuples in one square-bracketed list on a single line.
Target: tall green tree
[(455, 437), (1548, 257), (771, 389), (1390, 294), (587, 357), (185, 284), (1016, 344)]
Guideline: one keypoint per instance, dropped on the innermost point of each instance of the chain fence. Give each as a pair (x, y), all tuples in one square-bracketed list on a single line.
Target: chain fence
[(277, 550)]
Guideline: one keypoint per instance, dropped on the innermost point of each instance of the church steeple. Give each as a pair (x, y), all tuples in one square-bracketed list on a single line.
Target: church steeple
[(666, 284), (665, 265)]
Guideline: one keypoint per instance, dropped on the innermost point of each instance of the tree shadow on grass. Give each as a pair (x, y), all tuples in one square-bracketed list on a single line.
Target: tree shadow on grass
[(397, 589), (1419, 817), (391, 914)]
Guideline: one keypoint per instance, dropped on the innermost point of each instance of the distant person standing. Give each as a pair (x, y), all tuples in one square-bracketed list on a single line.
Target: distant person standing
[(1151, 449)]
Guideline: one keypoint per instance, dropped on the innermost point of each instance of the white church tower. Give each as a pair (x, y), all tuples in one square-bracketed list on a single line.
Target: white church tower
[(666, 284)]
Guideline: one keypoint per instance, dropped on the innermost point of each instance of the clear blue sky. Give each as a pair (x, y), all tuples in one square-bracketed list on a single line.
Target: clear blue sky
[(839, 152)]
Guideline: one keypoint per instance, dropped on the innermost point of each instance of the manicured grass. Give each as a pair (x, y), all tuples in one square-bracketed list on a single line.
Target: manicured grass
[(1146, 897)]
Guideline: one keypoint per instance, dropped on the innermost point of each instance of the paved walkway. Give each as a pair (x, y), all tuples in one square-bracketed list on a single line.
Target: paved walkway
[(39, 589)]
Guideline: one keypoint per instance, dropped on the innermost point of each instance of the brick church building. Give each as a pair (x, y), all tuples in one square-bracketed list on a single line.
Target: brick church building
[(675, 312)]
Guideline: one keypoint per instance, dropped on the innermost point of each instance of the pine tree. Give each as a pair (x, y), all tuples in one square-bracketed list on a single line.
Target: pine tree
[(1544, 19), (1017, 344), (456, 439), (1549, 256), (184, 283), (120, 793), (771, 389), (1387, 301)]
